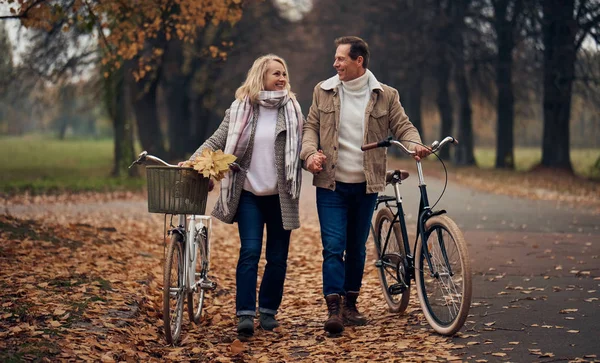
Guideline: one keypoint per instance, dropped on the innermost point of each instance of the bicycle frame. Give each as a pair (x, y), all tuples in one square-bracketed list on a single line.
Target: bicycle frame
[(424, 214), (198, 229)]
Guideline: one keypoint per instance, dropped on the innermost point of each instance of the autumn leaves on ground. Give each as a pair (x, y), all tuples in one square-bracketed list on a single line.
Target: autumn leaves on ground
[(90, 288)]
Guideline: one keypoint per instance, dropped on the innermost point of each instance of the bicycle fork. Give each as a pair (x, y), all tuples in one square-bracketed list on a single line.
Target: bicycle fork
[(199, 230)]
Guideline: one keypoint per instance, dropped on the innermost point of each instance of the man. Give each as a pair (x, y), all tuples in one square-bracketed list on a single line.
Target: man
[(348, 110)]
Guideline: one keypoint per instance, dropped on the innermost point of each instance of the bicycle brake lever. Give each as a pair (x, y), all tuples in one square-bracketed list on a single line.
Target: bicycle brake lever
[(141, 157)]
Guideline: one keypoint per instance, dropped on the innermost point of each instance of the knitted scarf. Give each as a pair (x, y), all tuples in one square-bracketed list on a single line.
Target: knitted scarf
[(240, 129)]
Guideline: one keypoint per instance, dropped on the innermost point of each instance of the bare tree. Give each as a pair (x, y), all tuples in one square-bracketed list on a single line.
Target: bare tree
[(565, 25)]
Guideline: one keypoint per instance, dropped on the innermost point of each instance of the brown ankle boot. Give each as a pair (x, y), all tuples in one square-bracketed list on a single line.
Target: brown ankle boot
[(350, 312), (334, 323)]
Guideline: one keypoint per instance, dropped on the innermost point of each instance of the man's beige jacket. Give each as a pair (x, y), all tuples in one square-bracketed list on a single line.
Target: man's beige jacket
[(384, 114)]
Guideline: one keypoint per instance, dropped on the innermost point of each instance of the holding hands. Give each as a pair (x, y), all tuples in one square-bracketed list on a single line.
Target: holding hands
[(314, 163)]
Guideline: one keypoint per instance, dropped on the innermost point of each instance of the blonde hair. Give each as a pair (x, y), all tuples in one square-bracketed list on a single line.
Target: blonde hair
[(255, 83)]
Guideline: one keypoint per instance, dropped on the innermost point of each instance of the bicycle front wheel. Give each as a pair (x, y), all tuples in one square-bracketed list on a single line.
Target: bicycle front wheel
[(444, 289), (173, 294), (195, 298), (392, 272)]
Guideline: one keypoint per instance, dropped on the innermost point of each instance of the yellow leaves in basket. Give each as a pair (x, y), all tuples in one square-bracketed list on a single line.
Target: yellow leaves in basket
[(213, 164)]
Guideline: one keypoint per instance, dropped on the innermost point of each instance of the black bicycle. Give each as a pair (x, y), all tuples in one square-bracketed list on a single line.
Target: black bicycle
[(439, 264)]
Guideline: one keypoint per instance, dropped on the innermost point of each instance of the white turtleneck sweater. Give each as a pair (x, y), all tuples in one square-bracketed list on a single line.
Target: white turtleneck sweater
[(261, 178), (354, 97)]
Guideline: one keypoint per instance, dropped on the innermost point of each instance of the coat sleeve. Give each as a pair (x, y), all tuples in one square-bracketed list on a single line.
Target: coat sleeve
[(310, 130), (217, 140), (400, 125)]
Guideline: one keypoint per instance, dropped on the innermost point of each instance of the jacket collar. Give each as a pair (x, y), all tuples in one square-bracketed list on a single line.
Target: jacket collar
[(334, 82)]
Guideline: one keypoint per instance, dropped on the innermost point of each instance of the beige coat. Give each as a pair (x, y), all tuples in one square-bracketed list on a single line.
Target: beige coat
[(384, 113)]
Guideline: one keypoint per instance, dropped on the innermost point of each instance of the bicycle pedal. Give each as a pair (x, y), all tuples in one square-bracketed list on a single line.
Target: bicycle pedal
[(208, 285), (378, 263), (396, 289)]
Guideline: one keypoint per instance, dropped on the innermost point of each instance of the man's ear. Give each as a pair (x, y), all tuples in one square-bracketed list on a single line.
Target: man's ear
[(360, 60)]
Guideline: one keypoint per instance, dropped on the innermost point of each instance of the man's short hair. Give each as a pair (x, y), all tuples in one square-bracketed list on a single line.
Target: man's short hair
[(358, 47)]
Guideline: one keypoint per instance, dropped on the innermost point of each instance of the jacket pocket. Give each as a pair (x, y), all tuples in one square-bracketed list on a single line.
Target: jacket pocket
[(378, 125)]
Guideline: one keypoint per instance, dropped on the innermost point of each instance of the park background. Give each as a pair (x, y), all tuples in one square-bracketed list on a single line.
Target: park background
[(515, 81)]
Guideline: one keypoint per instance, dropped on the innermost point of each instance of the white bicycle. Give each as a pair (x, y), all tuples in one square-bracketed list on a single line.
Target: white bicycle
[(180, 191)]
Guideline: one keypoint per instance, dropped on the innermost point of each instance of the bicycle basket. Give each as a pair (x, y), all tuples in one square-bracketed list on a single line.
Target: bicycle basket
[(176, 190)]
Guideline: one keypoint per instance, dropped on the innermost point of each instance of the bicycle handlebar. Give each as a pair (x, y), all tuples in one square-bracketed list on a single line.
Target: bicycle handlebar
[(144, 156), (435, 146)]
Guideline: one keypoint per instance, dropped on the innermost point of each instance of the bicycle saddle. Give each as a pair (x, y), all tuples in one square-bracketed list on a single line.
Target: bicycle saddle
[(389, 175)]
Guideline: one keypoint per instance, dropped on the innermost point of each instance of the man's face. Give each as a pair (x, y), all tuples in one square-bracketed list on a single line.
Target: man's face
[(346, 67)]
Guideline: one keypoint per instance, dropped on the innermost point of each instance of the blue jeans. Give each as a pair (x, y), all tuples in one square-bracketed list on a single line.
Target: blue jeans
[(345, 217), (252, 214)]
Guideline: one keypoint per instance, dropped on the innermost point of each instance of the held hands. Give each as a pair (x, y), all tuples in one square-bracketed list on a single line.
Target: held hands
[(420, 152), (315, 162)]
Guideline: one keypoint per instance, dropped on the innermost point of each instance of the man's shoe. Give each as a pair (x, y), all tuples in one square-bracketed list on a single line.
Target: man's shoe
[(246, 325), (350, 313), (267, 321), (334, 323)]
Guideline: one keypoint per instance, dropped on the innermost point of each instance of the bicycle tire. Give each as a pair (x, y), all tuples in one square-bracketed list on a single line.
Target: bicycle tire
[(393, 267), (445, 310), (194, 306), (173, 296)]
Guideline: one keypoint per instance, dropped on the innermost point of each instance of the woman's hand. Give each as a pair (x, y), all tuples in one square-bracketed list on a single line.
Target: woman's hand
[(315, 162)]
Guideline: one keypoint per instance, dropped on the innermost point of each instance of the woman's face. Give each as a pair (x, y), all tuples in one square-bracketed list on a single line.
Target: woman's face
[(276, 77)]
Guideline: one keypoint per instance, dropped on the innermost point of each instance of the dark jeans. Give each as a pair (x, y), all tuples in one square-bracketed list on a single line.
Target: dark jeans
[(345, 216), (252, 215)]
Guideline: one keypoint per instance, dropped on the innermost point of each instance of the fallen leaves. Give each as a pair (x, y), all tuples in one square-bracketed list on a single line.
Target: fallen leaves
[(95, 293)]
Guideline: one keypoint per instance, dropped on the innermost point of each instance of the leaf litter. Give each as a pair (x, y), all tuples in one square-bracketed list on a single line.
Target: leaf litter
[(95, 293)]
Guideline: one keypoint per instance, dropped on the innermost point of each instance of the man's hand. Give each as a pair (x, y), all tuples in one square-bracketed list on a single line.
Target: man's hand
[(421, 152), (315, 162)]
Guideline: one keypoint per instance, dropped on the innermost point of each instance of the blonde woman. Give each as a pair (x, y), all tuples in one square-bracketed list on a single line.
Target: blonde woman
[(263, 128)]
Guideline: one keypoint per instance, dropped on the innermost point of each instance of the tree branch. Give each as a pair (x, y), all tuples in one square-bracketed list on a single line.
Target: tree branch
[(23, 14)]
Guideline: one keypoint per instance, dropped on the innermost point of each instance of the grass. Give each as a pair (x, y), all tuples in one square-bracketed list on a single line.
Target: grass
[(40, 164), (527, 157)]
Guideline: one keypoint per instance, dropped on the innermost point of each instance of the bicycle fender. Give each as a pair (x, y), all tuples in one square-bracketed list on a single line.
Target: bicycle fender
[(179, 232), (437, 213)]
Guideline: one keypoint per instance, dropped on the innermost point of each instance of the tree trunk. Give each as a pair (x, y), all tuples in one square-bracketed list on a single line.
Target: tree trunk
[(443, 102), (559, 31), (117, 102), (146, 115), (463, 154), (505, 108), (412, 102), (177, 96)]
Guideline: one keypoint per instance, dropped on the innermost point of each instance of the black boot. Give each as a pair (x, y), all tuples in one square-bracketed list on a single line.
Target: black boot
[(246, 325), (268, 321)]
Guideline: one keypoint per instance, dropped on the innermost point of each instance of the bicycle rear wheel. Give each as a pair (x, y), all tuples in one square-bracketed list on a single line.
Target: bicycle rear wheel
[(195, 298), (173, 294), (445, 292), (392, 272)]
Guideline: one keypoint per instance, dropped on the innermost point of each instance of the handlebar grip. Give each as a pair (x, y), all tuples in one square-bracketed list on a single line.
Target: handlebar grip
[(454, 141), (383, 143), (370, 146)]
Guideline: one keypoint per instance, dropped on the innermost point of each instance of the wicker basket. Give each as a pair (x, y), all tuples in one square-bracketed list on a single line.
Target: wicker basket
[(176, 190)]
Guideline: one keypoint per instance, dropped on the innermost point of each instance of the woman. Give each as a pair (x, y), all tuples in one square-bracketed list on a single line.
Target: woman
[(263, 128)]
